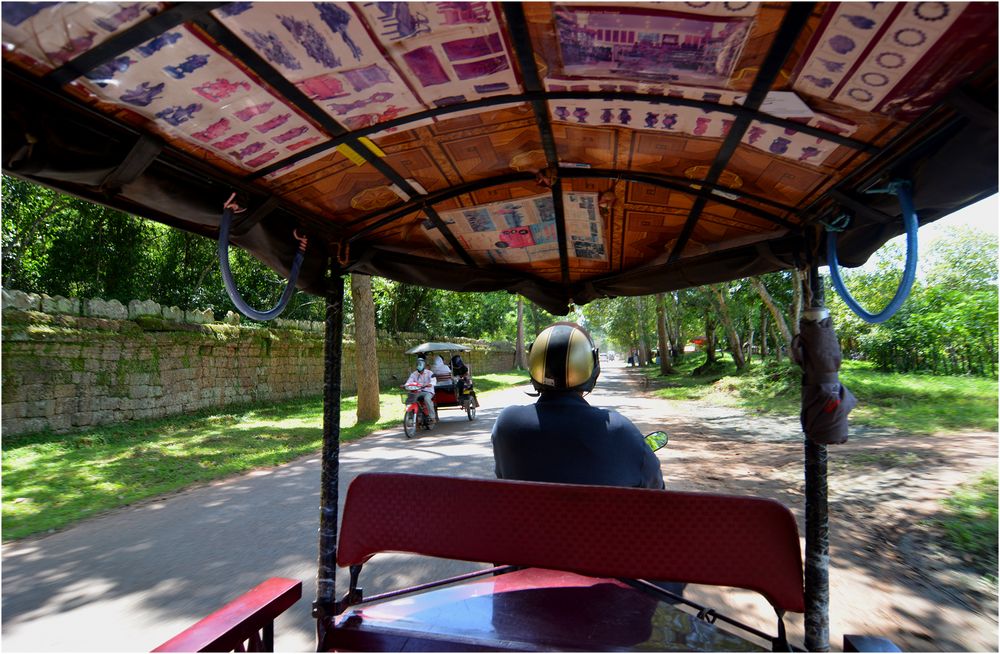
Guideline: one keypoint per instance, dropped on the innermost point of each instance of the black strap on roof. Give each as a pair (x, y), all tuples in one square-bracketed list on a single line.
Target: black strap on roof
[(145, 151), (926, 133), (290, 92), (243, 224), (689, 187), (375, 221), (522, 98), (861, 207), (517, 27), (788, 33), (442, 227), (384, 219), (129, 39)]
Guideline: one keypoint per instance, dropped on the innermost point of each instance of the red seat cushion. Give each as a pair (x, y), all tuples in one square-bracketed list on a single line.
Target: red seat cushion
[(598, 531)]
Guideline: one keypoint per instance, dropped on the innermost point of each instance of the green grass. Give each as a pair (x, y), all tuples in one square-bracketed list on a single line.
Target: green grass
[(685, 385), (970, 523), (920, 404), (52, 480)]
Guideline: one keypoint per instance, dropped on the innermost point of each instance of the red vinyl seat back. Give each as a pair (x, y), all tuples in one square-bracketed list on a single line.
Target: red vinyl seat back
[(597, 531)]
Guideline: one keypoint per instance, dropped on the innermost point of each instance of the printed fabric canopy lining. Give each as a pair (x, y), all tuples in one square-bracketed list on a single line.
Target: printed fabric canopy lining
[(562, 151)]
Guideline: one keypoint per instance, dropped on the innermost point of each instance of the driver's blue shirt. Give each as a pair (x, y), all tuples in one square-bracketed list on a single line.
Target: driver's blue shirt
[(561, 438)]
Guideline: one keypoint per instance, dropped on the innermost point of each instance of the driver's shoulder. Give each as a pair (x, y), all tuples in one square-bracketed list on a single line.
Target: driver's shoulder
[(520, 415), (620, 422), (514, 410)]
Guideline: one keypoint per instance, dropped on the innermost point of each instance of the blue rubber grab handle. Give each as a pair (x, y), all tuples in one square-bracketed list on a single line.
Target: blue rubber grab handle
[(904, 192), (227, 274)]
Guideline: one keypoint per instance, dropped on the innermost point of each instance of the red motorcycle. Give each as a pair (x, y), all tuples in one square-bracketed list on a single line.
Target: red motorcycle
[(416, 413)]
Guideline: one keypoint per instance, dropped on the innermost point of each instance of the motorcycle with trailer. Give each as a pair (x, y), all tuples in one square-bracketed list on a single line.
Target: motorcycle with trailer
[(555, 152), (454, 389)]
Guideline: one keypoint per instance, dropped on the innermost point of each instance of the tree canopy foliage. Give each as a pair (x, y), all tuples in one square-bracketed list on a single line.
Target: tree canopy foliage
[(947, 326), (949, 323)]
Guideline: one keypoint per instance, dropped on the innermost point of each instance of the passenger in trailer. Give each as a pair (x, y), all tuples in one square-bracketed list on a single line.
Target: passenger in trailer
[(441, 372), (461, 374)]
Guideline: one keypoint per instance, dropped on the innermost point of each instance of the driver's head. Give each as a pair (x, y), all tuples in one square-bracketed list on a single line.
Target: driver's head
[(420, 365), (563, 359)]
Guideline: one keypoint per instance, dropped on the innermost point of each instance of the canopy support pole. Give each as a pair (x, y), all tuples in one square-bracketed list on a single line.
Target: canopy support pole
[(324, 608), (817, 555)]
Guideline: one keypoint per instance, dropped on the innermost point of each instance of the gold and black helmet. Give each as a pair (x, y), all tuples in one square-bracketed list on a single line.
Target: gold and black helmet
[(563, 358)]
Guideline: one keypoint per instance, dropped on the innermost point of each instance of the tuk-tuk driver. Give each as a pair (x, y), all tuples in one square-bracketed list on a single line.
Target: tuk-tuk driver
[(422, 381), (561, 438)]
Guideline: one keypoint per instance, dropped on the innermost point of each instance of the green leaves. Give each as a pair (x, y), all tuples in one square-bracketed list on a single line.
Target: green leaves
[(949, 323)]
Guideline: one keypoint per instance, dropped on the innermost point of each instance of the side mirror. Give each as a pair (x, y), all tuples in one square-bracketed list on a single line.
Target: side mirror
[(656, 439)]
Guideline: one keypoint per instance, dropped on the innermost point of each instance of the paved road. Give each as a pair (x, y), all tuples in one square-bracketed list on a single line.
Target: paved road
[(128, 580)]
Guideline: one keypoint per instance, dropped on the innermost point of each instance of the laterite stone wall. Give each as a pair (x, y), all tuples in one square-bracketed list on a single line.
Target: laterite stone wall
[(63, 370)]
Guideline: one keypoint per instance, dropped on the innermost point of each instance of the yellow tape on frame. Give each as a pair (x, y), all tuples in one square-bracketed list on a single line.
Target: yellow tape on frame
[(356, 158)]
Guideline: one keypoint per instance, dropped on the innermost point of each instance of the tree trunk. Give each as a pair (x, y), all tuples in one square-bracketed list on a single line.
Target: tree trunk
[(519, 359), (643, 349), (27, 235), (666, 361), (777, 344), (411, 319), (674, 329), (735, 346), (709, 338), (365, 355), (779, 319), (763, 335), (201, 280), (797, 280)]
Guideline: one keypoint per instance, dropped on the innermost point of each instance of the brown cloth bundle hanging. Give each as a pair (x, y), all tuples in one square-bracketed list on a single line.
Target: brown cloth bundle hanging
[(825, 401)]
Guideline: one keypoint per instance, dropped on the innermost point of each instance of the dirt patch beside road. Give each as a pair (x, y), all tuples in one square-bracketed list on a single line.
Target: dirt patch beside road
[(890, 573)]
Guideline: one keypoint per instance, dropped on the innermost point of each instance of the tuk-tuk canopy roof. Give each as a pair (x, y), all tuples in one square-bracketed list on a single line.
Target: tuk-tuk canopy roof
[(562, 151), (438, 347)]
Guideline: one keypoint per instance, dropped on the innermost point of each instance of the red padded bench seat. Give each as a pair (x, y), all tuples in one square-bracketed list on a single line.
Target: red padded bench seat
[(597, 531)]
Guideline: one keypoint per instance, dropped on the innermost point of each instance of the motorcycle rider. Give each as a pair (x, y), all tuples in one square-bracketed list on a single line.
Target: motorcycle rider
[(422, 380), (561, 438)]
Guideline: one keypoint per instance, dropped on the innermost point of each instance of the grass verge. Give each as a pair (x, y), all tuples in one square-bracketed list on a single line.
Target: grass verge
[(919, 404), (970, 523), (53, 480)]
